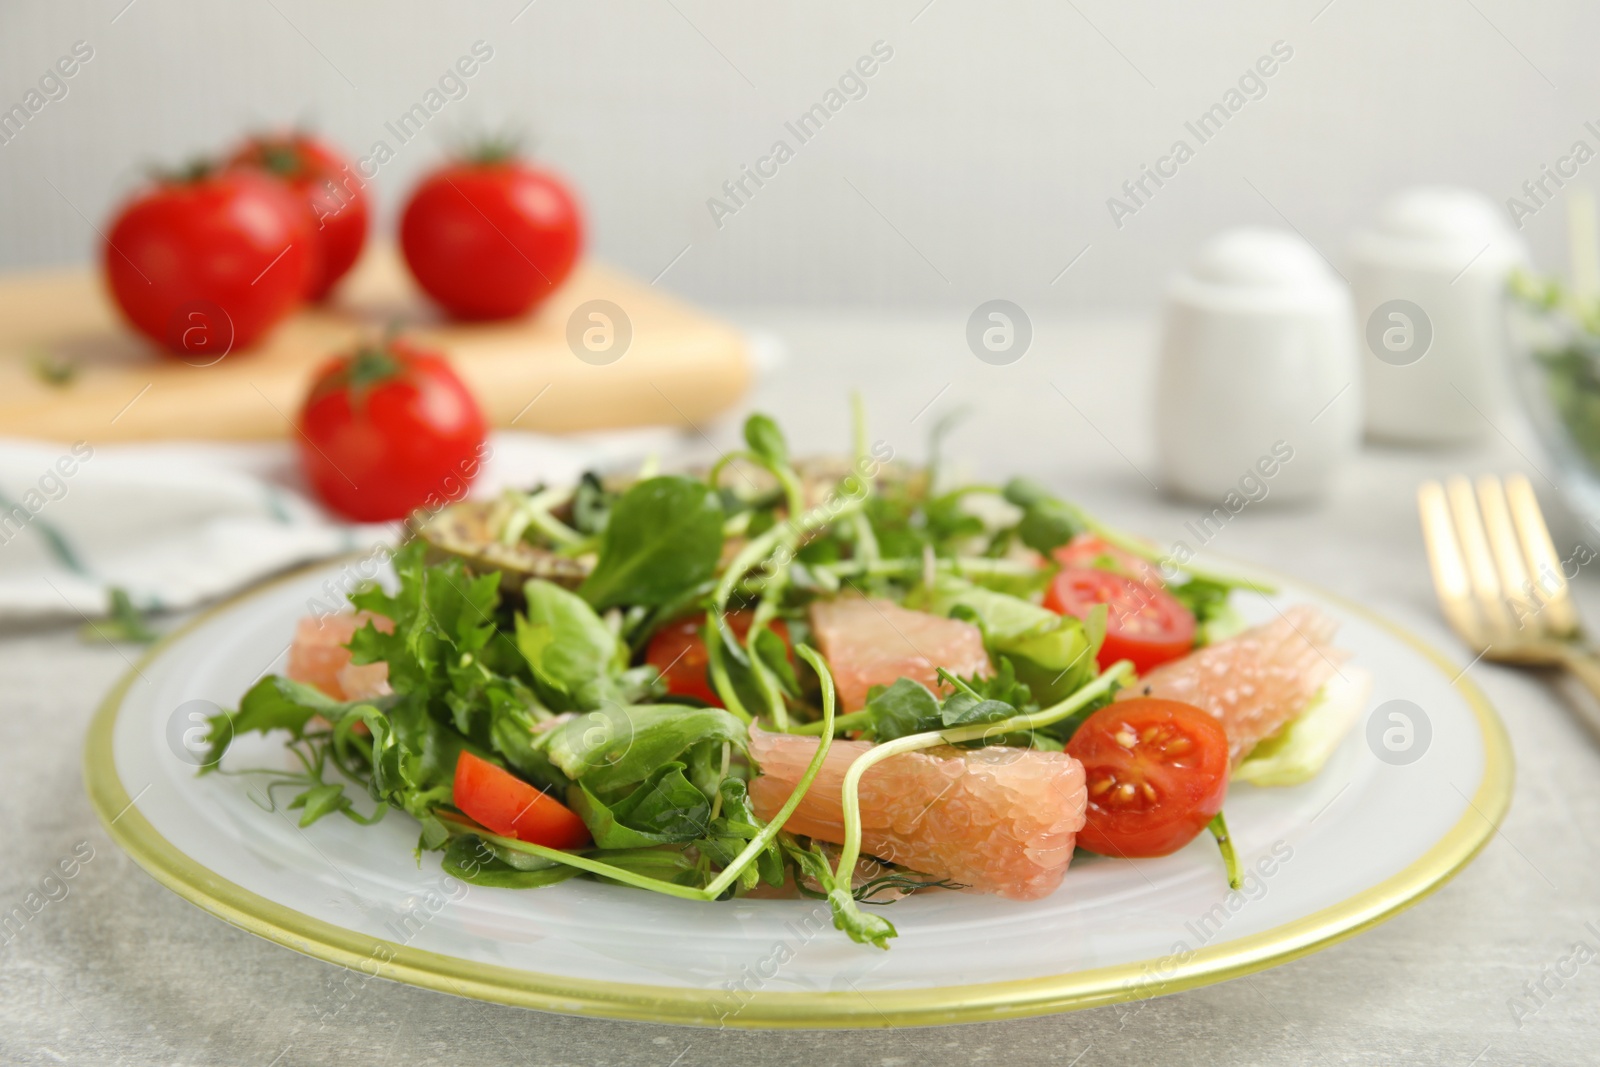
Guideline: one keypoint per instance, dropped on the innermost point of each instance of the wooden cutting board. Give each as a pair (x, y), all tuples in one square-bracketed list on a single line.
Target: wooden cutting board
[(680, 367)]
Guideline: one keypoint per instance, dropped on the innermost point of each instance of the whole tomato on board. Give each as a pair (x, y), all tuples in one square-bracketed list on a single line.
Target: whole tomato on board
[(332, 193), (491, 236), (388, 429), (207, 262)]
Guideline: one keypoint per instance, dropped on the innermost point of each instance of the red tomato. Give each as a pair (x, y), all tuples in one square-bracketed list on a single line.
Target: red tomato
[(1143, 624), (1157, 772), (679, 652), (332, 193), (1087, 550), (389, 429), (490, 240), (504, 804), (207, 264)]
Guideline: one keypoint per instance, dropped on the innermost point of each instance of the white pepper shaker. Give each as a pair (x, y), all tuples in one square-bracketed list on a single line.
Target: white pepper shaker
[(1428, 279), (1258, 393)]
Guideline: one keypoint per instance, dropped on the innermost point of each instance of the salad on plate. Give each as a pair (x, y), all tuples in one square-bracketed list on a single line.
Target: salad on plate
[(840, 679)]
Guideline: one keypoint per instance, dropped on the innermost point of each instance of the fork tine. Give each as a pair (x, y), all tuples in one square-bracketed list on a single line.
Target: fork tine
[(1507, 552), (1543, 563), (1450, 580), (1486, 592)]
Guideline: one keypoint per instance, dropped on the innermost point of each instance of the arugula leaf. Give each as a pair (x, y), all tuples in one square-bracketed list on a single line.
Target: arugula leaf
[(664, 537), (574, 656), (619, 745), (320, 800), (665, 808), (414, 758), (735, 828), (1047, 522), (446, 651), (273, 703)]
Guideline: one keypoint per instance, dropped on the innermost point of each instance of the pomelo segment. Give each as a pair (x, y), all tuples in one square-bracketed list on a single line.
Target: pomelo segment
[(874, 642), (997, 820), (319, 657), (1254, 681)]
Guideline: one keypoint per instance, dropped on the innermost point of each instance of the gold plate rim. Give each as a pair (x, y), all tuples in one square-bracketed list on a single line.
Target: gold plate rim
[(978, 1002)]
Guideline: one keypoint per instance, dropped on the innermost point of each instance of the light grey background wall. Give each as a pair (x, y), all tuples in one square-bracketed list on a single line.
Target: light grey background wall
[(977, 164)]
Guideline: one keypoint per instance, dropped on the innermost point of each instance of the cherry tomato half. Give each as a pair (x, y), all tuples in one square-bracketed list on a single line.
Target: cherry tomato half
[(1144, 624), (332, 193), (207, 264), (501, 802), (1087, 550), (389, 429), (1157, 772), (678, 651), (490, 240)]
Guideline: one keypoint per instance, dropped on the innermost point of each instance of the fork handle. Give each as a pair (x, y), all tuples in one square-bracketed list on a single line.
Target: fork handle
[(1585, 664)]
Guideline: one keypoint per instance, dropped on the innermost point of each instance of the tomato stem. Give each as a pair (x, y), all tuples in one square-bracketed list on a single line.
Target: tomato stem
[(500, 148), (281, 158), (1219, 830)]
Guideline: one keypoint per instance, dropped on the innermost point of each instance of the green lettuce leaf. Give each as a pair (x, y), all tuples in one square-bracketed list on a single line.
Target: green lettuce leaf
[(1053, 655), (664, 809), (616, 746), (1304, 744)]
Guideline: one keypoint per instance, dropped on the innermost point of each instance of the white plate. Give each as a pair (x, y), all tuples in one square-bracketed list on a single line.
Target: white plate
[(1365, 839)]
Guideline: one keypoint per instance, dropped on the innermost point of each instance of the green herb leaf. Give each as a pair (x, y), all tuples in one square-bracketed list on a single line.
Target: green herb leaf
[(901, 709), (766, 440), (591, 505), (732, 830), (862, 927), (475, 861), (127, 622), (774, 654), (320, 800), (663, 809), (663, 538), (612, 747), (1053, 655), (1047, 522), (574, 656), (965, 709), (273, 703)]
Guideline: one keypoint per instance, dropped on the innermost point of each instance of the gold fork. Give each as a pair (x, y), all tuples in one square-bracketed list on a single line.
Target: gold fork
[(1502, 586)]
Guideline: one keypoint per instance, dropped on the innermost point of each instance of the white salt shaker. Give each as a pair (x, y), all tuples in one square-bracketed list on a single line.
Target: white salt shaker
[(1258, 393), (1428, 279)]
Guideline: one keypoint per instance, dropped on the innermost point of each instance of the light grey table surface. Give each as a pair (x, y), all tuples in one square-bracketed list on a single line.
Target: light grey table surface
[(123, 971)]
